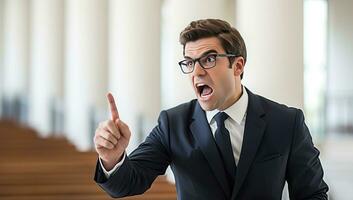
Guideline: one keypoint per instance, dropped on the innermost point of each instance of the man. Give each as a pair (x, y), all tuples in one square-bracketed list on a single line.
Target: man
[(227, 144)]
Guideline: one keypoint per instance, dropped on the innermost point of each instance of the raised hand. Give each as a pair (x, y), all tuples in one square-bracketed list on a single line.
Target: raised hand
[(111, 137)]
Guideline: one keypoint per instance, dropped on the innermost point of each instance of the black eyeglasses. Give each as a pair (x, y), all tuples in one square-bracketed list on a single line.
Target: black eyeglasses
[(206, 62)]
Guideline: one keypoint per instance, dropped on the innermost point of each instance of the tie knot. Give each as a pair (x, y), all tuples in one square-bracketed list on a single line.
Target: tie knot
[(220, 118)]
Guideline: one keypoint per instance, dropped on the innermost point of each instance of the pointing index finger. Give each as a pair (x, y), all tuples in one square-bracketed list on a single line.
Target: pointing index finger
[(113, 108)]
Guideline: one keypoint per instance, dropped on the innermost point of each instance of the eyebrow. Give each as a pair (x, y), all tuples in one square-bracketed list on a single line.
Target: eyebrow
[(203, 54)]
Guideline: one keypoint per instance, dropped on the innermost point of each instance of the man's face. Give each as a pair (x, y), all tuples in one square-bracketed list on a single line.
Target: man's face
[(218, 87)]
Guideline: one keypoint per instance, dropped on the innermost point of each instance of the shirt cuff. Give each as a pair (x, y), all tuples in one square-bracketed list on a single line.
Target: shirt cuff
[(115, 168)]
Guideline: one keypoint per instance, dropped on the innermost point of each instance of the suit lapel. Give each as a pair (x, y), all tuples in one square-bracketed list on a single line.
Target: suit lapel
[(253, 132), (203, 135)]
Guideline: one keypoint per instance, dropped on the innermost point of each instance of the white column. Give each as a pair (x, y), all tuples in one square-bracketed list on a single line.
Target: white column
[(85, 68), (135, 63), (315, 64), (340, 66), (273, 34), (177, 14), (47, 38), (1, 54), (16, 52)]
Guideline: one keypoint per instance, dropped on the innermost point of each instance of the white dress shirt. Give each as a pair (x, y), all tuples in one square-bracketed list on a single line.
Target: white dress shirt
[(116, 167), (235, 124)]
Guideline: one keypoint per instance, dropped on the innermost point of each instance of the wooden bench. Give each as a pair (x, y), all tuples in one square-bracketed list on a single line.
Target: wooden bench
[(33, 168)]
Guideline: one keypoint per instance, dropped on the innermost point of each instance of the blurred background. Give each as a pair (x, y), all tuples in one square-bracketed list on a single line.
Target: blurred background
[(59, 58)]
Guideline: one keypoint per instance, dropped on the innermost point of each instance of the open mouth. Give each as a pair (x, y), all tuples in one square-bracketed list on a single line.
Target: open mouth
[(204, 90)]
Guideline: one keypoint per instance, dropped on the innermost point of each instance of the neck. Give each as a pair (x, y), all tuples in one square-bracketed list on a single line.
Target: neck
[(234, 98)]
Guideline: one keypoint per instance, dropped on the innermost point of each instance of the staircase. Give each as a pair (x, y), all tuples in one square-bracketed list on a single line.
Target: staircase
[(33, 168)]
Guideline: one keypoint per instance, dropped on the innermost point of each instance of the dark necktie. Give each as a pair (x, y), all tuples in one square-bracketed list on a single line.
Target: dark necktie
[(225, 147)]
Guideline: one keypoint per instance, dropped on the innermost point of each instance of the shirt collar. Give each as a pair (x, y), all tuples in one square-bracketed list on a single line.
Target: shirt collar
[(236, 111)]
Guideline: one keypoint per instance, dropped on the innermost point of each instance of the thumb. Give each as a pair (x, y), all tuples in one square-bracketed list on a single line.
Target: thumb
[(123, 128)]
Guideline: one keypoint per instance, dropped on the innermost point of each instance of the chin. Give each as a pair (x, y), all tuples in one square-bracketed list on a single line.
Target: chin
[(206, 106)]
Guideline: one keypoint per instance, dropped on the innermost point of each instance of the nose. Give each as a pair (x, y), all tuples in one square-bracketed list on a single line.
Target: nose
[(198, 70)]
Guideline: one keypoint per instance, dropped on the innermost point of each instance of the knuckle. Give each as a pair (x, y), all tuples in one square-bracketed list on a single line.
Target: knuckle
[(117, 135), (98, 142), (115, 139), (100, 133), (114, 142), (105, 143), (109, 137), (108, 144)]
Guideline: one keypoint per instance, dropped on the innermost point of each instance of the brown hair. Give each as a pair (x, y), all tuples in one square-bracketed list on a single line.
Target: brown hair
[(230, 38)]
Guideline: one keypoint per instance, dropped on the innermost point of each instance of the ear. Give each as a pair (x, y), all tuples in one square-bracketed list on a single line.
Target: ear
[(238, 66)]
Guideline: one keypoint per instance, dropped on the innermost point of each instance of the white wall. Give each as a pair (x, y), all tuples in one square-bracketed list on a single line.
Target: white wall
[(340, 64), (86, 65), (1, 52), (273, 34), (340, 69), (134, 63), (47, 49), (16, 48)]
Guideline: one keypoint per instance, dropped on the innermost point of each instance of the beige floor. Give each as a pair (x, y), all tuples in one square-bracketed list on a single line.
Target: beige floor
[(337, 160)]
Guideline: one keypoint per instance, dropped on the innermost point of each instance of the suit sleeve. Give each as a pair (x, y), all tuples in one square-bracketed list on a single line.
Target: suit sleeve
[(304, 173), (150, 159)]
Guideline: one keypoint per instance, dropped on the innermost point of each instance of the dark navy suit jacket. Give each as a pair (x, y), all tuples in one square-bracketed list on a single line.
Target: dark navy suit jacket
[(277, 147)]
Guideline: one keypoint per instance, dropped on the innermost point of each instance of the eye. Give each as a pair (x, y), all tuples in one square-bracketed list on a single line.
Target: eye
[(210, 58), (188, 63)]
